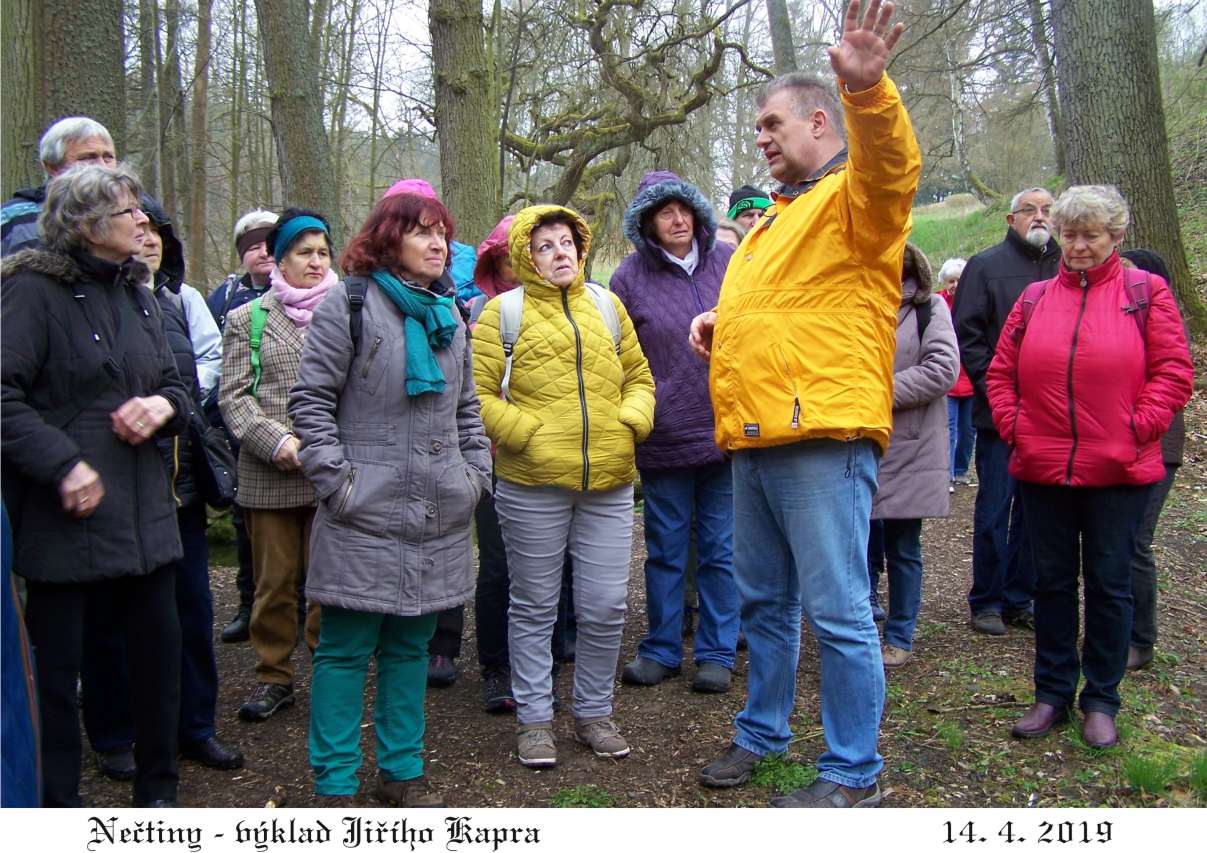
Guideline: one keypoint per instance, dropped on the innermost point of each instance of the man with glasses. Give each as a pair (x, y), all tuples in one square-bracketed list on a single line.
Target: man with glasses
[(1003, 579), (66, 143)]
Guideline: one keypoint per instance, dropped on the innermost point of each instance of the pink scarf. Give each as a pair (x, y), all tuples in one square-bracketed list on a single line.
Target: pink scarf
[(300, 302)]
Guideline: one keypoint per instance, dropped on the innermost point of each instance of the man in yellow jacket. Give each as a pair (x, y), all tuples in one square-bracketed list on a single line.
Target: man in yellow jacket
[(801, 348)]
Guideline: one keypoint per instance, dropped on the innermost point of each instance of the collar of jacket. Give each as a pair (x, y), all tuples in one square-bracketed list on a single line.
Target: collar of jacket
[(130, 271), (1035, 253), (838, 161), (1105, 271)]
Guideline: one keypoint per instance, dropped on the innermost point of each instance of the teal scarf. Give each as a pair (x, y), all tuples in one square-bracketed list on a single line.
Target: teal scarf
[(429, 324)]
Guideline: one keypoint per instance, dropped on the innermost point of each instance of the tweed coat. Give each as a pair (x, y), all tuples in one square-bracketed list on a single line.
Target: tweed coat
[(259, 422)]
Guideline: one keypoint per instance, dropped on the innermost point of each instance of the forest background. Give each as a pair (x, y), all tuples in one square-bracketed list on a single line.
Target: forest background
[(226, 105)]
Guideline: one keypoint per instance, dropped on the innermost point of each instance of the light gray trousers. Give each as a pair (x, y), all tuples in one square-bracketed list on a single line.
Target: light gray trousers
[(539, 523)]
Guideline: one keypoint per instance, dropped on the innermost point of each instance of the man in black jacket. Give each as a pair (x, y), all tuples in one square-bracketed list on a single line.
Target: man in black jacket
[(1003, 579)]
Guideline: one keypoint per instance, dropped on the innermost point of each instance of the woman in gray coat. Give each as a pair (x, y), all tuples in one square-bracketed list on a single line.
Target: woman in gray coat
[(914, 471), (392, 441)]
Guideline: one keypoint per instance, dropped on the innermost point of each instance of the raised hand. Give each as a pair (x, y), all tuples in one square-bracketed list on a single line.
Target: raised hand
[(859, 59)]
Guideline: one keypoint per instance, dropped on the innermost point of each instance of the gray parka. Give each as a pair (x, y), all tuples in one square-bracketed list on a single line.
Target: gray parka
[(915, 471), (397, 478)]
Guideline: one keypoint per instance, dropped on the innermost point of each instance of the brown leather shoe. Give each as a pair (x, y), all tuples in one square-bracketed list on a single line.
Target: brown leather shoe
[(1098, 730), (407, 794), (1040, 719)]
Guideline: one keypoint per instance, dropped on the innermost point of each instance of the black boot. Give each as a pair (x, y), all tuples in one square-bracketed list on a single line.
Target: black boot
[(238, 630)]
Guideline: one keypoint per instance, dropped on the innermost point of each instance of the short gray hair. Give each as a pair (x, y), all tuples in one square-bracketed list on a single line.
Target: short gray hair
[(52, 150), (809, 93), (727, 224), (1018, 197), (1092, 205), (80, 201), (951, 266), (258, 218)]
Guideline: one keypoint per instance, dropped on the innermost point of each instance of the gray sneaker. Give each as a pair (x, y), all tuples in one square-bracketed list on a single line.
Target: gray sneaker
[(646, 672), (602, 736), (823, 794), (535, 745), (733, 768), (712, 678)]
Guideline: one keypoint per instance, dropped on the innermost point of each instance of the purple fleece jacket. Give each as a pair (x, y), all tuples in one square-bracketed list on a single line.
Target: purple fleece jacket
[(662, 299)]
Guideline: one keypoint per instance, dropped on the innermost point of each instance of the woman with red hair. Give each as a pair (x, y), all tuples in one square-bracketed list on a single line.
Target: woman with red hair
[(392, 441)]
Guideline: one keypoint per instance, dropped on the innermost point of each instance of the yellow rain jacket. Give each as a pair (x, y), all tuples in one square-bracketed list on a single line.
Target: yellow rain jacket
[(806, 320), (577, 410)]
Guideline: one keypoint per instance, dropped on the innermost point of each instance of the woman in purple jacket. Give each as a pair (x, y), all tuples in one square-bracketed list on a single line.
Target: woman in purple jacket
[(674, 274)]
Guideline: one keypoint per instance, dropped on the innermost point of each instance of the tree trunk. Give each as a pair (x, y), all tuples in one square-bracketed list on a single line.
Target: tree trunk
[(959, 136), (148, 125), (303, 151), (466, 120), (81, 50), (1043, 57), (172, 112), (19, 68), (781, 36), (1106, 62), (197, 208)]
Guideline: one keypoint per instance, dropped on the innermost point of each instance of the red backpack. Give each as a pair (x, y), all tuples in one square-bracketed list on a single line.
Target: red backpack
[(1139, 296)]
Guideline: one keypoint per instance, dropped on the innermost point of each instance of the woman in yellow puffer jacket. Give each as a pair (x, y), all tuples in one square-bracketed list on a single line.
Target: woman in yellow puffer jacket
[(577, 403)]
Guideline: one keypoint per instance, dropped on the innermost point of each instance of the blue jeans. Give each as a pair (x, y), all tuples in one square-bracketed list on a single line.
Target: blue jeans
[(1003, 573), (800, 540), (1086, 532), (671, 498), (903, 557), (960, 434)]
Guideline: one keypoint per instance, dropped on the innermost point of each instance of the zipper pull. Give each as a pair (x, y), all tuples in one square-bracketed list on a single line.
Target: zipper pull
[(796, 413), (1085, 282)]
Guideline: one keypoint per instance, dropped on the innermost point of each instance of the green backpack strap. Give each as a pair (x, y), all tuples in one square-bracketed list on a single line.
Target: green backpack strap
[(259, 316)]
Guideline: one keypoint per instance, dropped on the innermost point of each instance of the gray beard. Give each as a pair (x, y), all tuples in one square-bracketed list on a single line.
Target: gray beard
[(1039, 237)]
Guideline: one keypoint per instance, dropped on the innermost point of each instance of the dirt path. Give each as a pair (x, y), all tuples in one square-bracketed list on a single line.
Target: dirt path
[(945, 736)]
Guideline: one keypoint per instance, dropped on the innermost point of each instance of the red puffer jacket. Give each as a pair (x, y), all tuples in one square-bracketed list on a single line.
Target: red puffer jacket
[(1083, 398), (963, 386)]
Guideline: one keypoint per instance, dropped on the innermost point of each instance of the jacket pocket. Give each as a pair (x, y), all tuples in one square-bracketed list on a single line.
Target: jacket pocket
[(456, 497), (367, 498), (789, 383), (369, 366)]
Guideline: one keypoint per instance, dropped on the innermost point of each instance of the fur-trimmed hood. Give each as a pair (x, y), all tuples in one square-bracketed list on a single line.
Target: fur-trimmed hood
[(68, 267), (916, 267), (655, 189)]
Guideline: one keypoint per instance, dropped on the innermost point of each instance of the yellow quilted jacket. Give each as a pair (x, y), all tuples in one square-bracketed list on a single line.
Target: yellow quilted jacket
[(806, 321), (576, 410)]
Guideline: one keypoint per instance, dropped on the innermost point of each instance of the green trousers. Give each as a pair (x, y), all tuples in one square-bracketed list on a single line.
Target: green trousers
[(348, 639)]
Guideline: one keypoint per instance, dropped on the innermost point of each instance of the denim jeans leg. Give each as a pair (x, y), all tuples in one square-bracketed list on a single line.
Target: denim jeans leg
[(965, 435), (953, 434), (903, 552), (717, 635), (818, 495), (769, 596), (875, 554), (668, 502), (1054, 518), (1107, 543), (1144, 567), (990, 520)]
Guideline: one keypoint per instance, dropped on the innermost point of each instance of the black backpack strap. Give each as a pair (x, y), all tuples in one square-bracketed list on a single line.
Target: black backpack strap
[(922, 315), (357, 290)]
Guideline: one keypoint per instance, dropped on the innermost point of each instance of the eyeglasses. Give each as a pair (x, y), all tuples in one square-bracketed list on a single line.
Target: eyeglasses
[(134, 212), (1031, 210)]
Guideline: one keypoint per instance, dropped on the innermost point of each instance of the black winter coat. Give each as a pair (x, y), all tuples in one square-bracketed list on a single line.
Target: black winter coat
[(989, 286), (64, 318)]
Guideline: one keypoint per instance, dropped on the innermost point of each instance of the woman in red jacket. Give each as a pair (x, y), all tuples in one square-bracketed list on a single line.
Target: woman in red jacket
[(1090, 368)]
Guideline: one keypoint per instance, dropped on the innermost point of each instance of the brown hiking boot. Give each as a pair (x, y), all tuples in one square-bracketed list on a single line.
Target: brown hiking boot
[(602, 736), (1098, 730), (407, 793)]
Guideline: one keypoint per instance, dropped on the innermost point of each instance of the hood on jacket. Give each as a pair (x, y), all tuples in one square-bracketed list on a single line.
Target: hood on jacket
[(489, 252), (35, 194), (171, 266), (916, 267), (655, 190), (520, 238), (65, 267)]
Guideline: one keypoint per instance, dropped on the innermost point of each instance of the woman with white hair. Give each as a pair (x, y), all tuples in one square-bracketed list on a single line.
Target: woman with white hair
[(961, 434), (1090, 368), (88, 381)]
